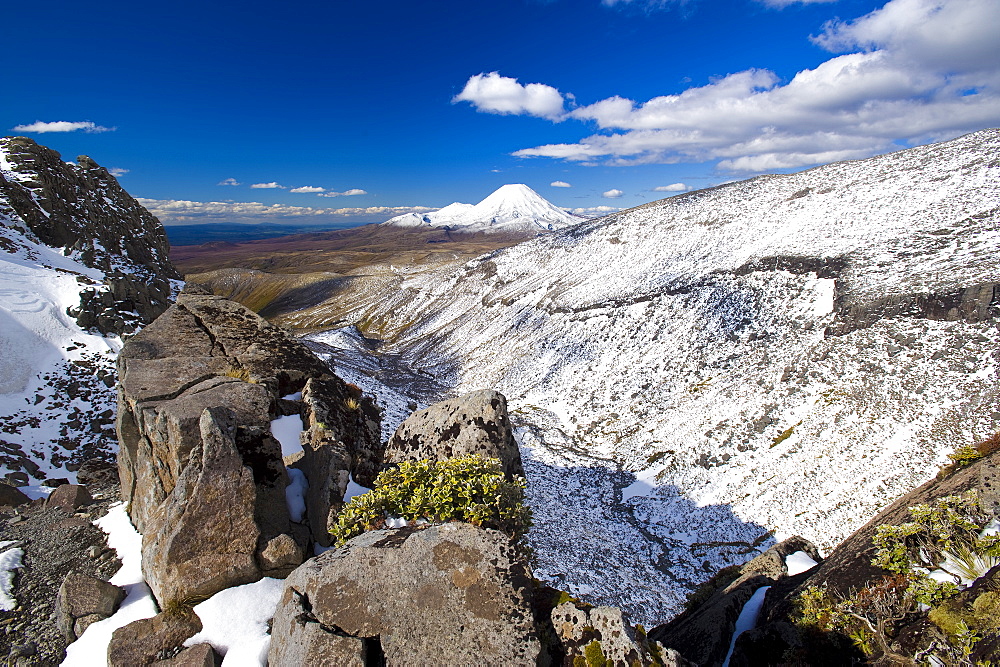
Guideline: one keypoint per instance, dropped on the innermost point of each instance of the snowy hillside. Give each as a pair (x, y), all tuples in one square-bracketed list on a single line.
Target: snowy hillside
[(699, 375), (74, 247), (511, 208)]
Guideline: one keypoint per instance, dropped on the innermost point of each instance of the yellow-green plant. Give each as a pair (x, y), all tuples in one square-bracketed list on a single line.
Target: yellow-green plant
[(944, 533), (473, 489)]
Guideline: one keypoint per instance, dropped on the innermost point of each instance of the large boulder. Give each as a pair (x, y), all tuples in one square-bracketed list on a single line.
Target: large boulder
[(200, 469), (448, 594), (475, 423), (142, 642), (83, 600)]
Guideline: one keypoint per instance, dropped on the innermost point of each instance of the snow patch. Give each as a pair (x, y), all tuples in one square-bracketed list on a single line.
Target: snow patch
[(235, 621)]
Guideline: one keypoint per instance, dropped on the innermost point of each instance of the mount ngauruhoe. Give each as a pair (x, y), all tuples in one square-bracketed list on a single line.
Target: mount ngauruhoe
[(512, 208), (697, 376)]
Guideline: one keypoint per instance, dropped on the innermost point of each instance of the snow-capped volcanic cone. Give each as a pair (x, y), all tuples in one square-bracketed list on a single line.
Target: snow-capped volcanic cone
[(511, 208)]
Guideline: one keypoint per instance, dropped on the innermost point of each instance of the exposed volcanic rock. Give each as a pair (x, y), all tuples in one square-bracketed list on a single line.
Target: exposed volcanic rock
[(82, 209), (200, 468), (475, 423), (450, 594)]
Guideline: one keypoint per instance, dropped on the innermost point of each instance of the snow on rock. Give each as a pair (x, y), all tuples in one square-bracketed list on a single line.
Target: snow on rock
[(779, 356), (57, 400), (747, 619), (799, 562), (295, 494), (10, 560), (287, 430), (512, 207)]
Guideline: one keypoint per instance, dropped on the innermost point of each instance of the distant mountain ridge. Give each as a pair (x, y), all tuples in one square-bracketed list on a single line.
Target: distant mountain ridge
[(510, 208)]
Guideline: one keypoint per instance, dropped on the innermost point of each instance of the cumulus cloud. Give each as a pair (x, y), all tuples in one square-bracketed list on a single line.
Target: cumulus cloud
[(673, 187), (117, 171), (492, 93), (612, 194), (308, 188), (912, 71), (560, 184), (347, 193), (179, 211), (228, 181), (62, 126), (267, 186)]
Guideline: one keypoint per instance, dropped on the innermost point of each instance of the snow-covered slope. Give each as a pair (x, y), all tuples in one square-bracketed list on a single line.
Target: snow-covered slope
[(511, 208), (701, 374), (57, 398)]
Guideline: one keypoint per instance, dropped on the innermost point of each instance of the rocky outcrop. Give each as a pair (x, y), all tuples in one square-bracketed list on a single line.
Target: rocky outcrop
[(475, 423), (199, 466), (449, 594), (703, 633), (82, 209)]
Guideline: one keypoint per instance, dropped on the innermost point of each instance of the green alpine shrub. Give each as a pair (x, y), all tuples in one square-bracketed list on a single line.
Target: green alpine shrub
[(473, 489)]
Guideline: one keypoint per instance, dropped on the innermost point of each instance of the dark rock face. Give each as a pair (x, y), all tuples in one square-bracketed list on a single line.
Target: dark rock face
[(199, 467), (450, 594), (475, 423), (703, 633), (82, 209)]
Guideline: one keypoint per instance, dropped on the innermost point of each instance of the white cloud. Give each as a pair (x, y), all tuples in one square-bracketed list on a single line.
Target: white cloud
[(117, 171), (307, 188), (612, 194), (347, 193), (267, 186), (179, 211), (911, 72), (781, 4), (492, 93), (62, 126), (228, 181), (673, 187), (593, 211), (560, 184)]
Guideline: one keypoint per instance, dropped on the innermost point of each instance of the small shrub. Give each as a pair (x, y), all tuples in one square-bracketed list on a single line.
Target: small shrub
[(352, 404), (785, 435), (238, 373), (594, 654), (471, 489)]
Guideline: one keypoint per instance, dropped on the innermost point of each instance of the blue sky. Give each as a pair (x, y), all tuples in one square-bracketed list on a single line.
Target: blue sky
[(390, 106)]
